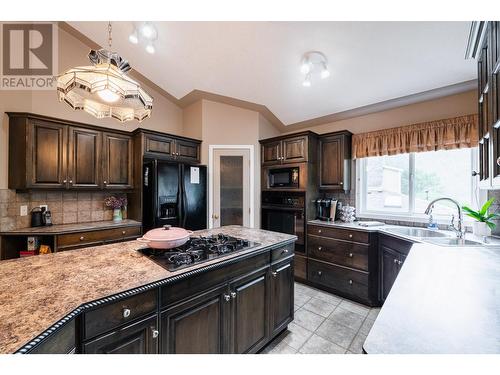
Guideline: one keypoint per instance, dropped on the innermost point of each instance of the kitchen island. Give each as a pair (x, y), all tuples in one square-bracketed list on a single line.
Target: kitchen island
[(111, 298), (445, 300)]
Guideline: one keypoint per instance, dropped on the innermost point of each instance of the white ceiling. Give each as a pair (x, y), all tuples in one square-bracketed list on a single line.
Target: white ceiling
[(259, 62)]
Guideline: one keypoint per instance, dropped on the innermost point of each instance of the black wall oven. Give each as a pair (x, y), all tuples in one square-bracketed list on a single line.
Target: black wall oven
[(285, 213)]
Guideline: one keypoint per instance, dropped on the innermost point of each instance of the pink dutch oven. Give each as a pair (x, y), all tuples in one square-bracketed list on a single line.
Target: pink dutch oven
[(167, 237)]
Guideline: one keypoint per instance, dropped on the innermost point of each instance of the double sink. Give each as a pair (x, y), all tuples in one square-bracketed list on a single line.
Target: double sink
[(431, 236)]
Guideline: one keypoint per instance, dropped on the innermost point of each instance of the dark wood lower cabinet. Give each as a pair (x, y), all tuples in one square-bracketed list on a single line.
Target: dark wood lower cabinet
[(197, 326), (137, 338), (282, 287), (392, 254), (249, 312)]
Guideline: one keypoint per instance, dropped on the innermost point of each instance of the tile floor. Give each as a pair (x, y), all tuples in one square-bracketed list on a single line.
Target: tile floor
[(324, 324)]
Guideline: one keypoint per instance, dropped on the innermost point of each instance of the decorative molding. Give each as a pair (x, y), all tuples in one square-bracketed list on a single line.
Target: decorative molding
[(197, 95), (26, 348)]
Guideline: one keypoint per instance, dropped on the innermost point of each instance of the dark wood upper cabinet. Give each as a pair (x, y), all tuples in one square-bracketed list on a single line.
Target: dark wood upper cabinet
[(335, 161), (37, 155), (164, 147), (271, 153), (117, 161), (84, 158), (187, 151), (250, 306), (293, 148), (136, 338)]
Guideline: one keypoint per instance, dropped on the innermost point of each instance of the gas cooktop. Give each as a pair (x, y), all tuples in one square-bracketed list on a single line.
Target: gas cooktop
[(198, 250)]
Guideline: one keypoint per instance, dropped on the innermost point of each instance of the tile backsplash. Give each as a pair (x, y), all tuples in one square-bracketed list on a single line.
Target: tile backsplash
[(66, 207)]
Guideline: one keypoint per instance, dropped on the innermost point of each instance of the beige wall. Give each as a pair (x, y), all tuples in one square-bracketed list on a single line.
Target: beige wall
[(446, 107), (166, 115), (192, 118)]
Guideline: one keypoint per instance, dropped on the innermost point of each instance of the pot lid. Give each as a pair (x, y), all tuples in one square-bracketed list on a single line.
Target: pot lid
[(166, 233)]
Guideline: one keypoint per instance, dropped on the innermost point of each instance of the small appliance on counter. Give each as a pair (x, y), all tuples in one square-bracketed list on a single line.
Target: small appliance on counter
[(326, 209), (37, 217)]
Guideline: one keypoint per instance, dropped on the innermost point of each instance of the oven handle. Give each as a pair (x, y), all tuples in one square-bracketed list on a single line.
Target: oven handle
[(281, 208)]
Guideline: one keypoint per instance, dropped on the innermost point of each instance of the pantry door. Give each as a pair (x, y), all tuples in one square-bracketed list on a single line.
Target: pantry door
[(231, 187)]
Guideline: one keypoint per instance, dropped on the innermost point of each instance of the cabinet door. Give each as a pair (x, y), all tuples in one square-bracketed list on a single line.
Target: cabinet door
[(158, 147), (197, 326), (250, 313), (46, 165), (137, 338), (331, 162), (84, 158), (271, 153), (294, 149), (187, 151), (118, 160), (389, 269), (281, 296)]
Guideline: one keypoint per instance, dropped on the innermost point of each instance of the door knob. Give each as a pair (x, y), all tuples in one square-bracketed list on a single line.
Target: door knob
[(320, 273), (320, 248), (155, 333), (350, 255), (126, 313), (274, 274), (227, 297), (233, 295), (395, 260)]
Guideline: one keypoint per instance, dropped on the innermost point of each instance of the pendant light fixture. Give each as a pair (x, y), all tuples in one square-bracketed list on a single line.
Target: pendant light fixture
[(104, 89)]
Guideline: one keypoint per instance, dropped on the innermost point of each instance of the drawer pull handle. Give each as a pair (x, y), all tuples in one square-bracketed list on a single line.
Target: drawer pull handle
[(350, 282), (82, 238), (227, 297), (350, 235), (399, 262), (155, 333), (320, 273), (126, 313), (233, 295), (124, 232), (350, 255), (320, 248), (319, 230), (395, 261), (285, 251), (274, 274)]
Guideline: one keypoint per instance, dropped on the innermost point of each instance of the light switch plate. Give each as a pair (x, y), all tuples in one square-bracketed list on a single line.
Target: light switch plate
[(24, 211)]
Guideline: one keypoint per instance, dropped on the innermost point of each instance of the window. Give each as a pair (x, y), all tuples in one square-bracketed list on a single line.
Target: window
[(405, 184)]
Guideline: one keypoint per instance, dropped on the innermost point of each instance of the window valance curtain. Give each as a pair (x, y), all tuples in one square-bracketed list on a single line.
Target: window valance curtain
[(445, 134)]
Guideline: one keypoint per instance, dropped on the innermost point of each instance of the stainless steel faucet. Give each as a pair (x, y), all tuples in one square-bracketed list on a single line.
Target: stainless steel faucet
[(459, 230)]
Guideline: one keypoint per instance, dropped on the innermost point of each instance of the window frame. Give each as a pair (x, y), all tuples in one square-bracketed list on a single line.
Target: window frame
[(410, 215)]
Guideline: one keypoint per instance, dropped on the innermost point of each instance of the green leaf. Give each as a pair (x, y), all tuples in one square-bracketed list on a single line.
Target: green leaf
[(475, 215), (492, 217), (491, 225), (486, 206), (469, 210)]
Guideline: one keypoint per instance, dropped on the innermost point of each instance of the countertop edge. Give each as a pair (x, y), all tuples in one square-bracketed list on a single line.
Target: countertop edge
[(25, 348), (33, 232)]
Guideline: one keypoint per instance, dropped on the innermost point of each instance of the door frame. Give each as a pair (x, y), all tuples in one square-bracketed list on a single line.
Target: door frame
[(211, 160)]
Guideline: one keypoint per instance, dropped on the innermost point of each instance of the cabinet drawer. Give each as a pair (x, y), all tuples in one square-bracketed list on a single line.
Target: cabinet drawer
[(282, 252), (344, 253), (97, 236), (340, 234), (107, 317), (344, 280), (300, 267)]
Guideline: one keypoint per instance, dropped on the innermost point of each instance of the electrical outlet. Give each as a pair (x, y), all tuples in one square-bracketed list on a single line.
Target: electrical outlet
[(24, 210), (42, 206)]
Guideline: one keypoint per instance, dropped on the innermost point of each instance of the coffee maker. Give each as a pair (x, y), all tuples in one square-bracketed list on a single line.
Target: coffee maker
[(326, 209)]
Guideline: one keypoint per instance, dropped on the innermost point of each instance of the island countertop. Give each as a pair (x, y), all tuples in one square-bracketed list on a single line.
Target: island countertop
[(445, 300), (40, 290)]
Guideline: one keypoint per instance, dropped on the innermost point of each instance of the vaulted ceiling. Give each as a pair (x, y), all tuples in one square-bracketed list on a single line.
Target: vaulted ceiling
[(259, 62)]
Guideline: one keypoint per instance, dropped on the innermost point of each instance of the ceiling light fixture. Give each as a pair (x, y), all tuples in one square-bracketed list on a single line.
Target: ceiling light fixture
[(104, 89), (134, 38), (148, 31), (150, 48), (313, 61)]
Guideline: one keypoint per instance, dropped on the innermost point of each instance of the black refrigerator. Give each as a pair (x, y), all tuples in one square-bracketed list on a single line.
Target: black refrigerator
[(175, 194)]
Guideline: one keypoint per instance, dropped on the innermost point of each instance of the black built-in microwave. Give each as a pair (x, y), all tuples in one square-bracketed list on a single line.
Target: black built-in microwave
[(284, 178)]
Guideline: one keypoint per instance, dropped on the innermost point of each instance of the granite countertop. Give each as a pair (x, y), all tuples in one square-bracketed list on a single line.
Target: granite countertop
[(445, 300), (38, 291), (70, 228)]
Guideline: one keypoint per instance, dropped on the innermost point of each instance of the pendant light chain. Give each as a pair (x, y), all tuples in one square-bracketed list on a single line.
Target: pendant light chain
[(110, 39)]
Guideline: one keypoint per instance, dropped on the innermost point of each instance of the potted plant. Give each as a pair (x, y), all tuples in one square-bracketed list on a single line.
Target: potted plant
[(116, 204), (483, 223)]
